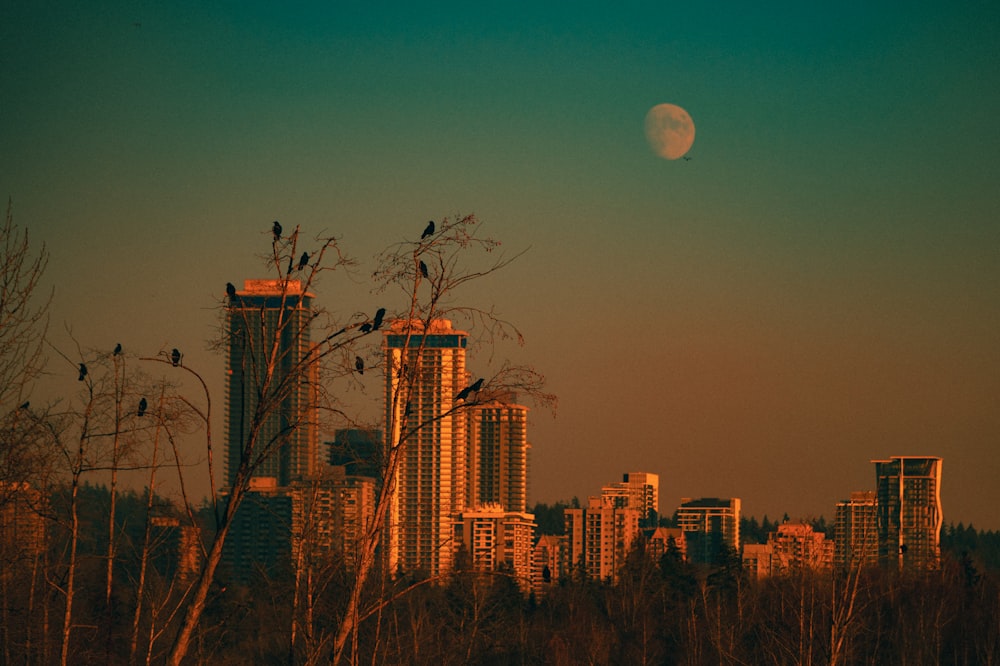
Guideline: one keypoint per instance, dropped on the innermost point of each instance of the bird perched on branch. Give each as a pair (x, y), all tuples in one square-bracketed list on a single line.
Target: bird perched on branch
[(142, 407), (428, 231), (303, 260), (276, 230), (359, 365), (83, 372), (366, 327), (423, 269), (470, 389), (25, 404), (118, 349), (379, 316), (230, 290), (175, 357)]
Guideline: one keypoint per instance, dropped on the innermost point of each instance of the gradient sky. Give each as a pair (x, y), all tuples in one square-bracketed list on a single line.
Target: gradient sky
[(819, 286)]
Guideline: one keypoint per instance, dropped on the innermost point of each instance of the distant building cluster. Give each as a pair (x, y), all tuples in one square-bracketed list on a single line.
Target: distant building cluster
[(460, 495), (459, 492)]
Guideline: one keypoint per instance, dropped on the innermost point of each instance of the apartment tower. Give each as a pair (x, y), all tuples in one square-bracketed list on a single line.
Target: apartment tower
[(638, 490), (267, 325), (425, 371), (855, 537), (497, 450), (711, 527), (908, 511)]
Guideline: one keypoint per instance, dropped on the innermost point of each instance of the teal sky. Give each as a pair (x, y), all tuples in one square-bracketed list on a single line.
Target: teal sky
[(817, 287)]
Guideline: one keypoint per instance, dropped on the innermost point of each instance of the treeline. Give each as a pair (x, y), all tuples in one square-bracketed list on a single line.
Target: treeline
[(659, 612)]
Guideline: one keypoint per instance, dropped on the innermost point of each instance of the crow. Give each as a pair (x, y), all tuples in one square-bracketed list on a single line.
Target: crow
[(366, 327), (142, 407), (276, 230), (118, 349), (175, 357), (359, 365), (428, 231), (423, 269), (469, 390), (303, 260), (26, 404), (230, 290), (379, 316), (83, 372)]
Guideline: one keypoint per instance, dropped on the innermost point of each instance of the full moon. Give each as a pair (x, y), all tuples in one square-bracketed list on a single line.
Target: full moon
[(669, 130)]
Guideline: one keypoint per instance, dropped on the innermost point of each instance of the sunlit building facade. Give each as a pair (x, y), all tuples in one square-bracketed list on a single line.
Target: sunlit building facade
[(798, 547), (548, 563), (425, 372), (497, 449), (855, 532), (498, 540), (256, 316), (908, 511), (637, 490), (599, 538)]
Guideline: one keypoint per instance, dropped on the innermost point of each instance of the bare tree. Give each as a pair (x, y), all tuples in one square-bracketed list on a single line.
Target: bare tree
[(23, 312), (276, 369), (442, 261), (428, 272)]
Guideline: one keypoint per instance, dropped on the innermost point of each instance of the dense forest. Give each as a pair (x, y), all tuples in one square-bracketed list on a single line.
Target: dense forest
[(658, 612)]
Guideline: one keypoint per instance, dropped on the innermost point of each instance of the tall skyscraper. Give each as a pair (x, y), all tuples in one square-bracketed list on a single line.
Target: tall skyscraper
[(268, 328), (425, 370), (855, 535), (711, 527), (497, 467), (908, 511)]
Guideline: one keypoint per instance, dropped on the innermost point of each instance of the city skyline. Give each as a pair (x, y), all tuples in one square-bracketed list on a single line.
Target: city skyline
[(817, 287)]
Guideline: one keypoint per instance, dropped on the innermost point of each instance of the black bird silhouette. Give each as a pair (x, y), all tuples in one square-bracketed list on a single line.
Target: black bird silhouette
[(366, 327), (423, 269), (470, 389), (379, 316), (142, 407), (359, 365), (26, 404), (230, 290), (686, 158), (83, 372), (428, 231), (276, 230), (118, 349), (303, 260), (175, 357)]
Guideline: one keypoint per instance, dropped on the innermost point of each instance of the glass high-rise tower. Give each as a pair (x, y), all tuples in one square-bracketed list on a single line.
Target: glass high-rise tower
[(908, 511), (268, 347)]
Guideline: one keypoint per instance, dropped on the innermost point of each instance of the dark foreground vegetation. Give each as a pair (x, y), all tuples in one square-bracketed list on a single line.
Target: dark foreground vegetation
[(663, 612)]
